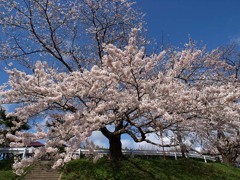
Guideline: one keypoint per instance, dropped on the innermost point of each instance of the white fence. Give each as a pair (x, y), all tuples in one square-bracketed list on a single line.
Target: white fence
[(154, 153), (17, 151), (23, 152)]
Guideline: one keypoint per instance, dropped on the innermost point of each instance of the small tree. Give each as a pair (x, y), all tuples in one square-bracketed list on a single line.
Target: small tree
[(8, 125)]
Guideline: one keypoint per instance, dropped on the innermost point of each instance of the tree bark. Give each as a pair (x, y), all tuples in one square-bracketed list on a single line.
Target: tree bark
[(229, 159), (229, 156), (115, 144), (228, 151), (115, 147), (182, 145)]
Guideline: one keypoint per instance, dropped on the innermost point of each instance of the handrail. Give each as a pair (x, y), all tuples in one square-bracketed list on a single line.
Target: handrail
[(153, 152), (28, 150)]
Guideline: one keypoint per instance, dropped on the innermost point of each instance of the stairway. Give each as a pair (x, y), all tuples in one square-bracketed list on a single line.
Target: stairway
[(42, 171)]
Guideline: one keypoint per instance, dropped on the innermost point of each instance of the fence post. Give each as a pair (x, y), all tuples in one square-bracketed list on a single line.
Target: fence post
[(24, 153), (220, 158), (79, 152), (175, 154), (204, 159), (132, 153)]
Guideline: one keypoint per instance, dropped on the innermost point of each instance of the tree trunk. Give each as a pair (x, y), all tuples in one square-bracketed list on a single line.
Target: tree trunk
[(182, 145), (115, 147), (229, 159), (229, 151), (115, 144), (229, 155)]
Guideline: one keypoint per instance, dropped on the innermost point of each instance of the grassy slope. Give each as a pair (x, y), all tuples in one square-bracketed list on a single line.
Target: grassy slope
[(138, 168), (6, 172)]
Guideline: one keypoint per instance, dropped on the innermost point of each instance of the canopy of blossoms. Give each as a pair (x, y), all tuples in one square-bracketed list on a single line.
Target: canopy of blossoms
[(127, 90)]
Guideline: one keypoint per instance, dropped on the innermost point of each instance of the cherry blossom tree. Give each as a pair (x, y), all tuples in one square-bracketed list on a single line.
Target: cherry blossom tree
[(115, 83), (224, 133), (125, 91), (121, 93), (69, 35), (219, 120), (230, 54)]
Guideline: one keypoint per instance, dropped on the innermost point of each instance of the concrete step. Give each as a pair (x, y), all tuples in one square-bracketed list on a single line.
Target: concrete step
[(47, 178), (43, 175), (42, 171)]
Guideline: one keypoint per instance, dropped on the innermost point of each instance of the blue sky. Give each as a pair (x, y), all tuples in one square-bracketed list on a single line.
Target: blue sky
[(214, 22), (211, 22)]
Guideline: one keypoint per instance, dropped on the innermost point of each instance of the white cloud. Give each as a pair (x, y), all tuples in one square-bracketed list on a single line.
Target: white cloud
[(127, 142), (99, 139), (100, 144), (111, 127), (130, 144), (199, 149), (235, 39)]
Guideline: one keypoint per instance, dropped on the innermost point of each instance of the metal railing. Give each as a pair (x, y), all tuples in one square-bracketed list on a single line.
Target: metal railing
[(23, 152), (153, 153), (17, 151)]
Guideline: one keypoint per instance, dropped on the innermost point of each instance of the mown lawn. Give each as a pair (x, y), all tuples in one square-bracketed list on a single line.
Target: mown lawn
[(148, 169)]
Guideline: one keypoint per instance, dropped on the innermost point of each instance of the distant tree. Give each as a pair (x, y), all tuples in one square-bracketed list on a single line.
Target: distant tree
[(7, 125), (231, 55)]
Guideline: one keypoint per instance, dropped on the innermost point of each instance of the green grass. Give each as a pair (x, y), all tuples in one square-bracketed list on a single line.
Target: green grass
[(6, 172), (147, 169), (137, 168)]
